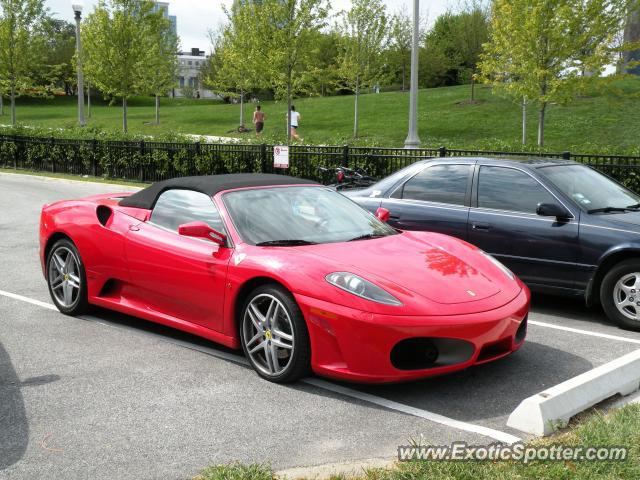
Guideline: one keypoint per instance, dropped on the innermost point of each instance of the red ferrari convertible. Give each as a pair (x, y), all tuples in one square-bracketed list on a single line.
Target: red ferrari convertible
[(297, 275)]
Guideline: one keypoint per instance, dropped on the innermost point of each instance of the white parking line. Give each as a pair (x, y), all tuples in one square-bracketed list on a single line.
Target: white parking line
[(323, 384), (28, 300), (584, 332), (416, 412)]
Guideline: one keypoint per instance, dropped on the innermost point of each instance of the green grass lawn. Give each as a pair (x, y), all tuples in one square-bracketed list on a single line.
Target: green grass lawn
[(603, 122), (619, 428)]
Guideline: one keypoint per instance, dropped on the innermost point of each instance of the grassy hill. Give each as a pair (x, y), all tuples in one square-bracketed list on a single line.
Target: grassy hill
[(601, 122)]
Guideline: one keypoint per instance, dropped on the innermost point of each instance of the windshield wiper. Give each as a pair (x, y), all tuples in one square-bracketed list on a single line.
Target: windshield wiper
[(367, 237), (285, 243), (635, 206), (608, 209)]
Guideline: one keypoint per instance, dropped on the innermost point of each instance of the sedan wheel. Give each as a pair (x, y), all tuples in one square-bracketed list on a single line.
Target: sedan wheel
[(66, 278), (620, 294), (627, 296), (274, 336)]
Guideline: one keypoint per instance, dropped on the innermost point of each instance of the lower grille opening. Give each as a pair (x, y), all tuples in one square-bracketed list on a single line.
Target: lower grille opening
[(522, 330), (424, 352), (496, 349)]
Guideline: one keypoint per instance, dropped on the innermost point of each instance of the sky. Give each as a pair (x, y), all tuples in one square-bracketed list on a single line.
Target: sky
[(197, 17)]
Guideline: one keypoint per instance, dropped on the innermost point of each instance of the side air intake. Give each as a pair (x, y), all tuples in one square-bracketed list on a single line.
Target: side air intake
[(104, 214)]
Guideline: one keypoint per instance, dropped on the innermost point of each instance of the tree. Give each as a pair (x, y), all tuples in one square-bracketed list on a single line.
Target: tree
[(114, 43), (55, 71), (364, 36), (237, 62), (21, 46), (284, 30), (160, 70), (538, 48), (401, 35)]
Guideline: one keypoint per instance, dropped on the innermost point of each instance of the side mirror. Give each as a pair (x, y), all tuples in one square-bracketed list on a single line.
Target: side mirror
[(552, 210), (204, 231), (383, 214)]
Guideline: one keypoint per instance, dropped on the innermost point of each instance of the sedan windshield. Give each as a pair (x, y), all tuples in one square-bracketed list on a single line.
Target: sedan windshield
[(289, 216), (591, 189)]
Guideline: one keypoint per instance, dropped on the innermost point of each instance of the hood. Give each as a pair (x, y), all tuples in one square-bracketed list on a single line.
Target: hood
[(621, 220), (442, 269)]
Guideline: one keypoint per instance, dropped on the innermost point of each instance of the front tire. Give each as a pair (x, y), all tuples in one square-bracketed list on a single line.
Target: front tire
[(274, 335), (620, 294), (67, 279)]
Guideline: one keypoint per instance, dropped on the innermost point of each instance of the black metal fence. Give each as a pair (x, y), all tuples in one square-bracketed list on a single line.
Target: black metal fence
[(153, 161)]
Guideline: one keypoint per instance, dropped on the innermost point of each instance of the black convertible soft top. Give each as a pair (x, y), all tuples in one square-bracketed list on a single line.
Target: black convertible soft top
[(209, 185)]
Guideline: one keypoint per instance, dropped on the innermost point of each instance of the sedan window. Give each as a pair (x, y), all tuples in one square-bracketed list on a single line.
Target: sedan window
[(502, 188), (177, 207), (440, 183)]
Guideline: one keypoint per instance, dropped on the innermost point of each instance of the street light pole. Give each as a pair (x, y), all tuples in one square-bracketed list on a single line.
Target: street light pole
[(413, 141), (77, 9)]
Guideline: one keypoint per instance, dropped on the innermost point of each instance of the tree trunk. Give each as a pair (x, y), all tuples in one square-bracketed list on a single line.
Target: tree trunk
[(404, 72), (524, 121), (473, 89), (157, 109), (13, 104), (241, 108), (1, 105), (355, 117), (125, 128), (542, 112)]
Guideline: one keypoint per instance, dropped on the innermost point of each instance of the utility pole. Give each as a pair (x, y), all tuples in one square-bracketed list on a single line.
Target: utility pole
[(413, 141)]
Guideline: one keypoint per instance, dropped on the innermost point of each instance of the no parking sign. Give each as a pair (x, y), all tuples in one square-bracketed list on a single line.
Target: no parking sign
[(281, 156)]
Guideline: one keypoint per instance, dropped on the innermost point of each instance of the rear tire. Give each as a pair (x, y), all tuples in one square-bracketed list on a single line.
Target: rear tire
[(274, 335), (620, 294), (67, 279)]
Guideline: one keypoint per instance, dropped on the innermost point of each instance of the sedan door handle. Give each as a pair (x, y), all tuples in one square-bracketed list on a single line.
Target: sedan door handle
[(134, 228), (480, 226)]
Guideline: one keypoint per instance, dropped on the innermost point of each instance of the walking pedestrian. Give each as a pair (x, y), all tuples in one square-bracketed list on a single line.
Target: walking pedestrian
[(258, 120), (295, 122)]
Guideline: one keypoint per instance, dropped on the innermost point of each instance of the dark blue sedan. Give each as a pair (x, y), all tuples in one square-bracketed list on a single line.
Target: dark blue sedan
[(561, 226)]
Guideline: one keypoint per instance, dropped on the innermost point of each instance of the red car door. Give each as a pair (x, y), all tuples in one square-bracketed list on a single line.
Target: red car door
[(175, 275)]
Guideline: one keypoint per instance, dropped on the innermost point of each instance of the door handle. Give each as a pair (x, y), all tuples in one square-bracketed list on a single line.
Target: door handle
[(134, 228), (481, 226)]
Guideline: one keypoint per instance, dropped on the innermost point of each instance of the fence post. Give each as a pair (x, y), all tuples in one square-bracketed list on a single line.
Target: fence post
[(345, 156), (94, 162), (53, 157), (566, 155), (263, 158), (15, 155), (442, 151), (141, 172)]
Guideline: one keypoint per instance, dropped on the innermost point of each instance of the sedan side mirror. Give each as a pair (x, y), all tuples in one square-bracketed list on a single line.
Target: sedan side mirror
[(204, 231), (383, 214), (552, 210)]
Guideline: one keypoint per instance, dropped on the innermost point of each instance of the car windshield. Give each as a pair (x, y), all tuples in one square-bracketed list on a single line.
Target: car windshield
[(287, 216), (589, 188)]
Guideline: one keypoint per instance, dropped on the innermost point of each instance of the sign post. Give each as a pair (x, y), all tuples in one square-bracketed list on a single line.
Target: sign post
[(281, 156)]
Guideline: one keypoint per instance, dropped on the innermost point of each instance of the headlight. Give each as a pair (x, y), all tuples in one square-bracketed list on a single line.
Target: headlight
[(499, 264), (356, 285)]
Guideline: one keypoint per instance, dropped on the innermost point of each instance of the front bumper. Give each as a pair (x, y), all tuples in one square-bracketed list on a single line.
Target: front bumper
[(353, 345)]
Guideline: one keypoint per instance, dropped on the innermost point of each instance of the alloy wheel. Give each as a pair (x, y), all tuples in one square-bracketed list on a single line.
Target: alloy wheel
[(626, 295), (268, 334), (64, 277)]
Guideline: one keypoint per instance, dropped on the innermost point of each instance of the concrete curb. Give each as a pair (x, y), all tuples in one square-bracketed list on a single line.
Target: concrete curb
[(346, 469), (543, 413)]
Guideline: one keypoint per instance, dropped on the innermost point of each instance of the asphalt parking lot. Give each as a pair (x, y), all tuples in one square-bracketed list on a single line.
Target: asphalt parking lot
[(110, 396)]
